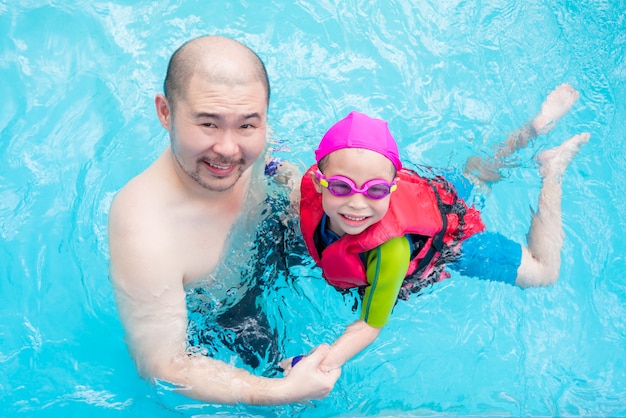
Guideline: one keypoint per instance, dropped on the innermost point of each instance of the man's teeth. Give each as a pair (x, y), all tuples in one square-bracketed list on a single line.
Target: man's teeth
[(221, 167)]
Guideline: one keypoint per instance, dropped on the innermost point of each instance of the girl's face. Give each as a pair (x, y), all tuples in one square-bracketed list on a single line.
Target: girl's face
[(355, 213)]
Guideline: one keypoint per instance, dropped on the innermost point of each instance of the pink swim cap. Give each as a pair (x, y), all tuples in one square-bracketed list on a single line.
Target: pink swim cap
[(357, 130)]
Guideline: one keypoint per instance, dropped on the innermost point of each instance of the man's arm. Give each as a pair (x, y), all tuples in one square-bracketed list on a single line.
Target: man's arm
[(151, 301), (288, 175)]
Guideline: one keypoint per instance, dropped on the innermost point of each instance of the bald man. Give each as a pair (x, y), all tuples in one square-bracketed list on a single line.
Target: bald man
[(186, 225)]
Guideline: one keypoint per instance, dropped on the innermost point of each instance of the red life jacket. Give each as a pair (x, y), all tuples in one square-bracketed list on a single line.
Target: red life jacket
[(426, 209)]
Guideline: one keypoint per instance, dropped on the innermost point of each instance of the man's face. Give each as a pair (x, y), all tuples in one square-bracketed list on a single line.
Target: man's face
[(218, 131)]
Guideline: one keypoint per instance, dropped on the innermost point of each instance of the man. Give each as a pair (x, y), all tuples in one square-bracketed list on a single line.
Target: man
[(172, 225)]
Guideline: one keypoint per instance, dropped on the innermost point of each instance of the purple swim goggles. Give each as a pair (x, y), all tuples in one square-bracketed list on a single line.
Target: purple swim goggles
[(341, 186)]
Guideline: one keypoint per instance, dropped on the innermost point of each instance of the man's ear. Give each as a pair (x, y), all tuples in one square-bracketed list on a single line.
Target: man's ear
[(163, 111), (316, 182)]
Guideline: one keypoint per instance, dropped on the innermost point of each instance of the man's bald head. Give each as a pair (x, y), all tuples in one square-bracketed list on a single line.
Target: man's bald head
[(217, 59)]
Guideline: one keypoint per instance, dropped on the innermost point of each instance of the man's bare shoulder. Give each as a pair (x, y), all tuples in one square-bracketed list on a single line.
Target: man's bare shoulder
[(140, 236), (142, 198), (130, 208)]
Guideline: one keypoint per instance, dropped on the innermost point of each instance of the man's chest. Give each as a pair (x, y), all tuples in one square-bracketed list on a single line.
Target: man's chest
[(201, 246)]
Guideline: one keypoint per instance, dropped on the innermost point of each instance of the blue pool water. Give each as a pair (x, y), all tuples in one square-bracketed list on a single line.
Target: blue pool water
[(77, 80)]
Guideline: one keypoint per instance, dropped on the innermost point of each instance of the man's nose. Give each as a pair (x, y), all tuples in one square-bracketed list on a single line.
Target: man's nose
[(226, 143)]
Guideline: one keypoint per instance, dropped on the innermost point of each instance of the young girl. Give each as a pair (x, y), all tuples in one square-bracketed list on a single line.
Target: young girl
[(371, 224)]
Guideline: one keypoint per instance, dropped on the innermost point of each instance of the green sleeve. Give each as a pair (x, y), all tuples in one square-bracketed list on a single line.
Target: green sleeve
[(386, 267)]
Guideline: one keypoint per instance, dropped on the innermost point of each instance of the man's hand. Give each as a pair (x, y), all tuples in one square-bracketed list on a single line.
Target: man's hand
[(307, 377)]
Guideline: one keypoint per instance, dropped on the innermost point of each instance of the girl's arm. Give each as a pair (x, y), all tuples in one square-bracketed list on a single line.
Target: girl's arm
[(387, 266)]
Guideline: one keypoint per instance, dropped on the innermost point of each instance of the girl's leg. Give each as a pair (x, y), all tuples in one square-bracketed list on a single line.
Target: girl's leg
[(557, 103), (541, 260)]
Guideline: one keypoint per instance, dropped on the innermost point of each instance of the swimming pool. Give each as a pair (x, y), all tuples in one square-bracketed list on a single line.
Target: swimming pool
[(453, 78)]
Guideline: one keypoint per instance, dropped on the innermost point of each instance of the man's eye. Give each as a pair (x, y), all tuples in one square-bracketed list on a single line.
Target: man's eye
[(247, 126)]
